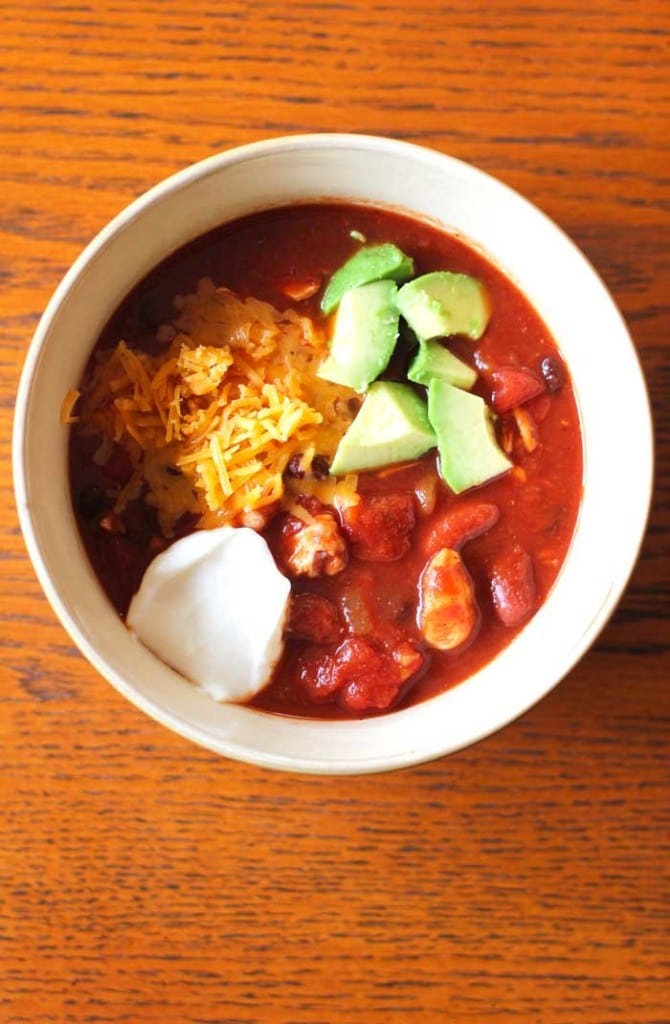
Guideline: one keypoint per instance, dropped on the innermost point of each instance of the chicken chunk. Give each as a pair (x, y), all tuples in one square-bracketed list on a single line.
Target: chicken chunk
[(448, 613), (314, 547)]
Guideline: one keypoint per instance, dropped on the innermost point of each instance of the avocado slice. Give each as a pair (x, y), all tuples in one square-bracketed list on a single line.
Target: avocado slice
[(364, 336), (434, 360), (440, 304), (374, 263), (466, 442), (391, 426)]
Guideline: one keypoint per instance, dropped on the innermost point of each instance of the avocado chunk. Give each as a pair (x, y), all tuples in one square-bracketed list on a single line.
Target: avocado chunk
[(434, 360), (374, 263), (391, 426), (466, 442), (440, 304), (364, 335)]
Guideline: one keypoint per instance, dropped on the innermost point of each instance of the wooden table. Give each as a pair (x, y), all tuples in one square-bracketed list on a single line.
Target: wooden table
[(145, 880)]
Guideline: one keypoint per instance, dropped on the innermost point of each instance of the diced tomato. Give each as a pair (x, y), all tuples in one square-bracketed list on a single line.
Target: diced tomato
[(314, 618), (513, 586), (366, 675), (367, 679), (461, 523), (316, 675), (379, 526), (512, 386)]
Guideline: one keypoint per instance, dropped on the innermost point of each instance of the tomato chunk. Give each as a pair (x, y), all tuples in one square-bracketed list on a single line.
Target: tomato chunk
[(365, 674), (448, 613), (460, 524), (514, 385), (316, 675), (513, 587), (367, 678), (379, 526)]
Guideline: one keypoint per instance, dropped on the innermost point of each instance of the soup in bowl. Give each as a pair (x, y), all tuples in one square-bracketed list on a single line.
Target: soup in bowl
[(334, 453)]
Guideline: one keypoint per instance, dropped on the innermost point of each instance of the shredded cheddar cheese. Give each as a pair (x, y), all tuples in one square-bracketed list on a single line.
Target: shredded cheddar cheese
[(67, 408), (211, 423)]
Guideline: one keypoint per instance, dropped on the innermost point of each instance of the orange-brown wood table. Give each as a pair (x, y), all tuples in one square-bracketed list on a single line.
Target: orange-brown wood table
[(525, 879)]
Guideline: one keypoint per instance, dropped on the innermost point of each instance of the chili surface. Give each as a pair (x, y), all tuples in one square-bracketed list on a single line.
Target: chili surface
[(520, 523)]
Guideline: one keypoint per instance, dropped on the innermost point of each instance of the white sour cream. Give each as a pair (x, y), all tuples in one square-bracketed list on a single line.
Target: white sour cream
[(213, 607)]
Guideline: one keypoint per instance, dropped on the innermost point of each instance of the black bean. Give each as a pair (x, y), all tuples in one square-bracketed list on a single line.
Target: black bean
[(552, 371), (91, 502), (294, 467), (320, 467)]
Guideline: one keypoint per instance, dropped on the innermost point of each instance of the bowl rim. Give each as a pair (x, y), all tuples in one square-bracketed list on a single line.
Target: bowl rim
[(137, 208)]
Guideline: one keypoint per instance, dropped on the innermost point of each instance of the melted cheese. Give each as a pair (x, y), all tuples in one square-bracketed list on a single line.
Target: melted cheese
[(227, 403)]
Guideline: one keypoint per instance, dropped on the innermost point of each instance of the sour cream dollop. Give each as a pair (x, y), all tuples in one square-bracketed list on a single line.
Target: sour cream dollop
[(213, 607)]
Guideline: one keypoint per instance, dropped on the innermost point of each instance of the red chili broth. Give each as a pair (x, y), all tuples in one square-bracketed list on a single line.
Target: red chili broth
[(257, 256)]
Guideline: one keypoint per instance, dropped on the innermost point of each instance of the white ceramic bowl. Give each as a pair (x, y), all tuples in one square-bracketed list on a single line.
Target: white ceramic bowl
[(563, 287)]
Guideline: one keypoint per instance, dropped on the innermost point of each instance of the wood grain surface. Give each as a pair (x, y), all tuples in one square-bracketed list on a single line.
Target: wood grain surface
[(525, 879)]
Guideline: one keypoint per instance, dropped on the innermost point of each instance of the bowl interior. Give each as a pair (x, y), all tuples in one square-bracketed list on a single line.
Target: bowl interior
[(565, 291)]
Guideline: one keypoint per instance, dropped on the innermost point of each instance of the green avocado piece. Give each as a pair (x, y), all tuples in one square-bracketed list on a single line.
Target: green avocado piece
[(391, 426), (364, 335), (440, 304), (434, 360), (466, 442), (374, 263)]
